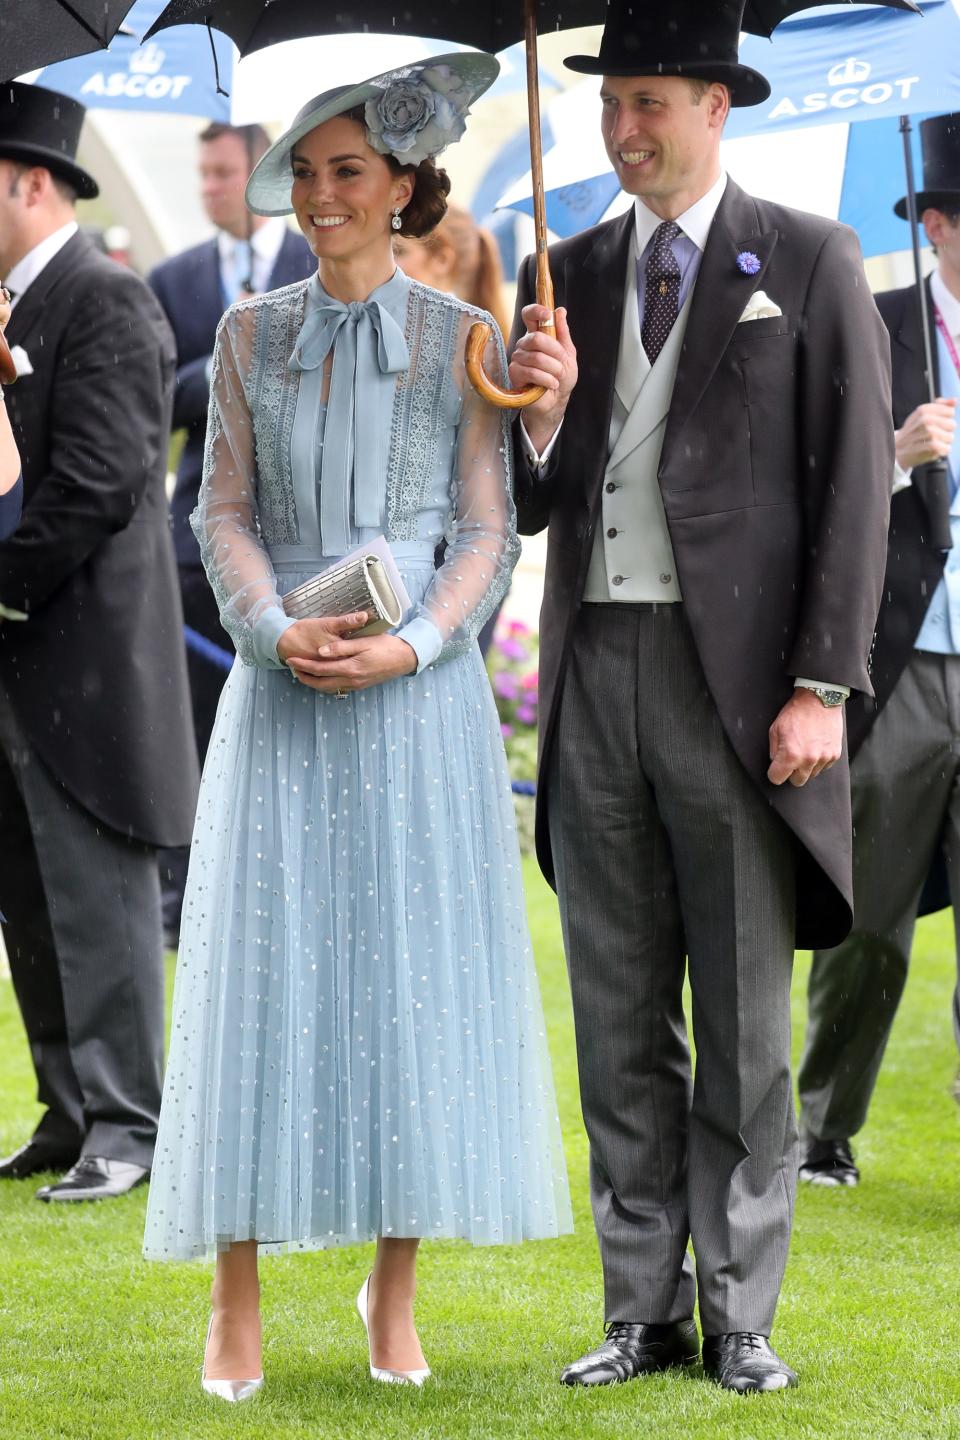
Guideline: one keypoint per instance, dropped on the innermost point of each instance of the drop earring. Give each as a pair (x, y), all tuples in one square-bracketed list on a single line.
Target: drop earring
[(396, 222)]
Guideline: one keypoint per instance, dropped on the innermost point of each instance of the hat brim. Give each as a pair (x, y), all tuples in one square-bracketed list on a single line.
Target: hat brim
[(929, 200), (52, 160), (268, 189), (746, 86)]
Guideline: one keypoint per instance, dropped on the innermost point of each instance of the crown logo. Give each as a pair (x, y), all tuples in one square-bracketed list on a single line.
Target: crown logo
[(148, 60), (849, 72)]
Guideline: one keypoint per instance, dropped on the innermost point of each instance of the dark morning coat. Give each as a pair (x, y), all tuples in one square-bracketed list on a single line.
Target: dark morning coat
[(775, 474), (914, 561), (97, 675), (189, 289)]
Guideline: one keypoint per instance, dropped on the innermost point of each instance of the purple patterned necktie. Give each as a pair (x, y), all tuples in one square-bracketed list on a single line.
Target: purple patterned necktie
[(661, 303)]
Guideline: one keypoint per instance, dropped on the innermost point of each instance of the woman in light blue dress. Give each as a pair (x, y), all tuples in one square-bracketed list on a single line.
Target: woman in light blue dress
[(358, 1047)]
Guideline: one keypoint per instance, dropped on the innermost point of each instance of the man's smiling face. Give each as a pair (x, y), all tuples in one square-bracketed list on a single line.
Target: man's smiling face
[(662, 134)]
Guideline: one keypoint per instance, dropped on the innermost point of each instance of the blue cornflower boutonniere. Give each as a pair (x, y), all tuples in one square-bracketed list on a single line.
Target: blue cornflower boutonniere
[(748, 263)]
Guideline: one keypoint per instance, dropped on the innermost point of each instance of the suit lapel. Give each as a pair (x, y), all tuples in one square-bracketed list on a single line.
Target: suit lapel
[(719, 297), (30, 310), (595, 298), (909, 335)]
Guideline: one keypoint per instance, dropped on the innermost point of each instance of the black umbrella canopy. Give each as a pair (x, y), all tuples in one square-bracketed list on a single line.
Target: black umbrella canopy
[(34, 33), (486, 24)]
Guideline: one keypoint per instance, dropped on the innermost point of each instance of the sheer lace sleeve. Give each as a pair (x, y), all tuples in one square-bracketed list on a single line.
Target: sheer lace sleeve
[(226, 520), (482, 542)]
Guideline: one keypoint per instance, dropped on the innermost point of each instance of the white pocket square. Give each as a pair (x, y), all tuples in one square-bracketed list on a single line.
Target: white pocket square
[(760, 307), (21, 359)]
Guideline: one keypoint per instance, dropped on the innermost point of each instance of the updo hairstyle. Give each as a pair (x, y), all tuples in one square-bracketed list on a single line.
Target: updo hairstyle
[(431, 186)]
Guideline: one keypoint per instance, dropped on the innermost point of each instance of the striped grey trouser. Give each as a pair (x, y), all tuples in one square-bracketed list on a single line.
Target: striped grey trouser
[(665, 849)]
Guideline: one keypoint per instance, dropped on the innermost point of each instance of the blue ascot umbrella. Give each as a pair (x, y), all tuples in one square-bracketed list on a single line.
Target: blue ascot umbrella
[(837, 65), (172, 75)]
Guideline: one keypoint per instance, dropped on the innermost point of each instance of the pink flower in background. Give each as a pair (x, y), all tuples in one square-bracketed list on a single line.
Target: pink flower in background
[(512, 649), (517, 627), (505, 686), (506, 731), (530, 681), (526, 716)]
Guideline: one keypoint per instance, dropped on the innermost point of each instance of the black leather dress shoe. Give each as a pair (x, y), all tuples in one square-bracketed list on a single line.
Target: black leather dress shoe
[(93, 1178), (34, 1158), (632, 1350), (744, 1361), (828, 1162)]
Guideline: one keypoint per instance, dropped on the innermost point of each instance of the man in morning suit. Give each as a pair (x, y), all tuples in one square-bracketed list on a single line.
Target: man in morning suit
[(713, 461), (905, 771), (249, 253), (97, 761)]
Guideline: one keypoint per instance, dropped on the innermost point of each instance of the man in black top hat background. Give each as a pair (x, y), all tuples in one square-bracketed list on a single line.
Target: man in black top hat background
[(906, 801), (97, 760), (713, 460), (248, 253)]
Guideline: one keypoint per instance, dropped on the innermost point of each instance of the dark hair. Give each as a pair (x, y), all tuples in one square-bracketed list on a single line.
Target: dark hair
[(431, 186), (67, 191), (254, 138)]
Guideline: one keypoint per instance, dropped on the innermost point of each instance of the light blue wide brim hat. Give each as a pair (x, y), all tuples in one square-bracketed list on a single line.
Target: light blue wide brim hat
[(413, 111)]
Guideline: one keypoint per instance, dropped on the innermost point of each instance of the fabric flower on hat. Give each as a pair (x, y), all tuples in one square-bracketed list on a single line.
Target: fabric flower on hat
[(414, 118)]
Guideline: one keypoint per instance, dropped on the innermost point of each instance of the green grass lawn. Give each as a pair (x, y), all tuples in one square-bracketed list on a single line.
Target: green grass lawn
[(97, 1345)]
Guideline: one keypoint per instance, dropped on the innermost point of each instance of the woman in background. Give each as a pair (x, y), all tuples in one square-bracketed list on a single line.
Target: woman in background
[(460, 257), (11, 483)]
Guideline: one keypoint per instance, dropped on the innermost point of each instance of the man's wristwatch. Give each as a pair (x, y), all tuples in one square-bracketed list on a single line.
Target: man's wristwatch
[(829, 698)]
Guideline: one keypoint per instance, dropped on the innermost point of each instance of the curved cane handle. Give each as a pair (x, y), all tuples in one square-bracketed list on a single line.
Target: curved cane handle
[(504, 399), (8, 370)]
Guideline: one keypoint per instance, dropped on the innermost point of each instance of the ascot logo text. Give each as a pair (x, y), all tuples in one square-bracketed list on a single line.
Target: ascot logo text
[(142, 80), (848, 89)]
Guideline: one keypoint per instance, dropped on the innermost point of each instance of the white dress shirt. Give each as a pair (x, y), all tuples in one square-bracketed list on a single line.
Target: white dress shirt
[(25, 271), (254, 260)]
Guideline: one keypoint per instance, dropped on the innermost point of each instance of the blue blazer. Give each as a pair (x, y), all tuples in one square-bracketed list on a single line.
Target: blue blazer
[(10, 509), (189, 289)]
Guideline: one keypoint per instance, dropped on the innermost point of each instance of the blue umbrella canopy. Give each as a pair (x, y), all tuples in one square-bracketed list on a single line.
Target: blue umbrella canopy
[(172, 75)]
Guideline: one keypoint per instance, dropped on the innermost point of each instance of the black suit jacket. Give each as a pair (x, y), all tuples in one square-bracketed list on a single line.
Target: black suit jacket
[(775, 474), (188, 287), (914, 562), (97, 674)]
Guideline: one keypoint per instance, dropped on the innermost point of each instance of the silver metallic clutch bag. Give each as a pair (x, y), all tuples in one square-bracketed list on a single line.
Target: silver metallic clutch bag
[(360, 582)]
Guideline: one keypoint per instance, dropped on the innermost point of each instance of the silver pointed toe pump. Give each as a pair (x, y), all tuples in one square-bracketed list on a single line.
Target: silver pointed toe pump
[(388, 1377), (232, 1390)]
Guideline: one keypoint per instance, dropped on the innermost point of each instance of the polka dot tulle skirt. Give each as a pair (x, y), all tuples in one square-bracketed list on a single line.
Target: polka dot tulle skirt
[(358, 1044)]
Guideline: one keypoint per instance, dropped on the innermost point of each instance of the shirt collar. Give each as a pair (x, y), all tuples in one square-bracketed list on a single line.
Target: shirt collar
[(27, 269), (265, 242), (694, 222), (947, 304)]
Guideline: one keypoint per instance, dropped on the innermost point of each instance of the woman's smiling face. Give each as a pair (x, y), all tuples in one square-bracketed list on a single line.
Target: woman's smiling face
[(344, 193)]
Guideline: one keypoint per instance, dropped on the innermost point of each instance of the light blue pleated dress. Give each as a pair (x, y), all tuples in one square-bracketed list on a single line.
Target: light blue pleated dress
[(358, 1044)]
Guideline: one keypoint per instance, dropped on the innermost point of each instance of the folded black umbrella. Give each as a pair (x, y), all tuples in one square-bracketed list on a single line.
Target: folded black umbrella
[(34, 33)]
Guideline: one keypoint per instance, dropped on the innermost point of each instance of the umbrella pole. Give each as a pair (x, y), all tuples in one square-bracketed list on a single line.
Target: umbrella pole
[(914, 220), (937, 481), (480, 333)]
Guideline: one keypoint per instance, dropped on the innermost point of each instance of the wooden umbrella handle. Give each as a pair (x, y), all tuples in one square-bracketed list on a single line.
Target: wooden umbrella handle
[(480, 333), (8, 370)]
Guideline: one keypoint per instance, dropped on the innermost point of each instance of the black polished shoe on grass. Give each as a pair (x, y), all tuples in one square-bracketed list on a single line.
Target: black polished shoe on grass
[(828, 1162), (743, 1361), (93, 1178), (632, 1350), (35, 1158)]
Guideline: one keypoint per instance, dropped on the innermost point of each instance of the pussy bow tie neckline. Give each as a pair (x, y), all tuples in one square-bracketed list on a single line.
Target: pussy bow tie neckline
[(369, 349)]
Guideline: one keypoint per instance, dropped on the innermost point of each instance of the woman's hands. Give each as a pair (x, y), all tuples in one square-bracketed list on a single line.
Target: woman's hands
[(324, 655)]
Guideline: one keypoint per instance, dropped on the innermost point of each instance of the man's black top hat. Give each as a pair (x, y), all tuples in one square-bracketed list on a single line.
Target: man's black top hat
[(940, 143), (42, 127), (696, 38)]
